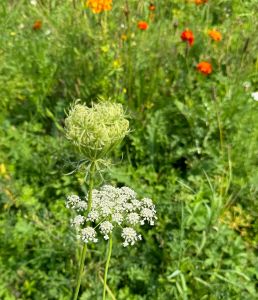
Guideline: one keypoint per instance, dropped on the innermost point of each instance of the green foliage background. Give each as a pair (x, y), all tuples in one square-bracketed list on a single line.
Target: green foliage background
[(192, 147)]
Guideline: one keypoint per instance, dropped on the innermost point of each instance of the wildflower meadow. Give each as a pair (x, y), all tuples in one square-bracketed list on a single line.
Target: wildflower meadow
[(128, 150)]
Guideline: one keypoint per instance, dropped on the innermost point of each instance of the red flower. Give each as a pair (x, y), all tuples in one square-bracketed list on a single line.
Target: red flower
[(37, 25), (142, 25), (199, 2), (204, 67), (187, 36)]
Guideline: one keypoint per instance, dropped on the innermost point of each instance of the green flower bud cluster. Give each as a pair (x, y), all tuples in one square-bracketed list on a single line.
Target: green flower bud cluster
[(96, 130)]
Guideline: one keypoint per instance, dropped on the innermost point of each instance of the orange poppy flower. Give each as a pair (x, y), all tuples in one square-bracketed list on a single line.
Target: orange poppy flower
[(143, 25), (97, 6), (215, 35), (187, 36), (37, 25), (152, 7), (204, 67), (199, 2)]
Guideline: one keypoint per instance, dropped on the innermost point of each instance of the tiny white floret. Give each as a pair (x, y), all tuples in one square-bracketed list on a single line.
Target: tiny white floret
[(78, 221), (148, 215), (117, 218), (130, 236), (106, 228), (89, 234), (133, 218), (93, 216)]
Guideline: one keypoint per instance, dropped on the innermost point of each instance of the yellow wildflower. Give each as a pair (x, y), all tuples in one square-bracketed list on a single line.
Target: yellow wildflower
[(105, 48), (116, 63), (2, 169)]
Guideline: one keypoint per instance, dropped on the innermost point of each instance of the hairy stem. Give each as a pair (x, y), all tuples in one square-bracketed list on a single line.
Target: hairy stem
[(84, 249), (106, 267)]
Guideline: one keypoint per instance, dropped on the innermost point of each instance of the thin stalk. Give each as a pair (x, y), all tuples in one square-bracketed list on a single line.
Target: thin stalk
[(214, 96), (84, 249), (105, 25), (106, 267), (80, 271), (91, 182), (220, 130)]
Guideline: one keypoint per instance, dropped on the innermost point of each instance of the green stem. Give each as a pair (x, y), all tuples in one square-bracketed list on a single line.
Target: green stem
[(220, 128), (106, 267), (91, 182), (84, 249), (218, 119), (79, 275)]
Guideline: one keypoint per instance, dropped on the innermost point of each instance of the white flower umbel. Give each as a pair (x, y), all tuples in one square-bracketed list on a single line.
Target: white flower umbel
[(255, 96), (133, 218), (148, 215), (117, 218), (106, 228), (112, 207), (127, 193), (75, 202), (89, 234), (78, 221), (93, 216), (148, 203), (130, 236), (136, 203)]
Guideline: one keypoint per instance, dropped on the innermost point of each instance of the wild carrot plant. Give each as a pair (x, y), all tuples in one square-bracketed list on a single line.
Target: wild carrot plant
[(95, 132)]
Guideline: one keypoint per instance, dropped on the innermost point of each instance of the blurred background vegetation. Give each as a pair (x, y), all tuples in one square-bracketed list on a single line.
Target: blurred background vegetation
[(192, 148)]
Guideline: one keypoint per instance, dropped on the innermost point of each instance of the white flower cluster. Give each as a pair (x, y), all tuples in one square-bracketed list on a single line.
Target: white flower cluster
[(88, 234), (255, 96), (76, 203), (112, 207)]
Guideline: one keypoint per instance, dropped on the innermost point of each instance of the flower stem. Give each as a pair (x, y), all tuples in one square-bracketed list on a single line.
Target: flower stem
[(80, 271), (106, 267), (91, 182), (84, 249)]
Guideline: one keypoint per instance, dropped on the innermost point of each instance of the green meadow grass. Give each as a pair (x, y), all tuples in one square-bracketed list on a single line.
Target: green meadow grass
[(192, 147)]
